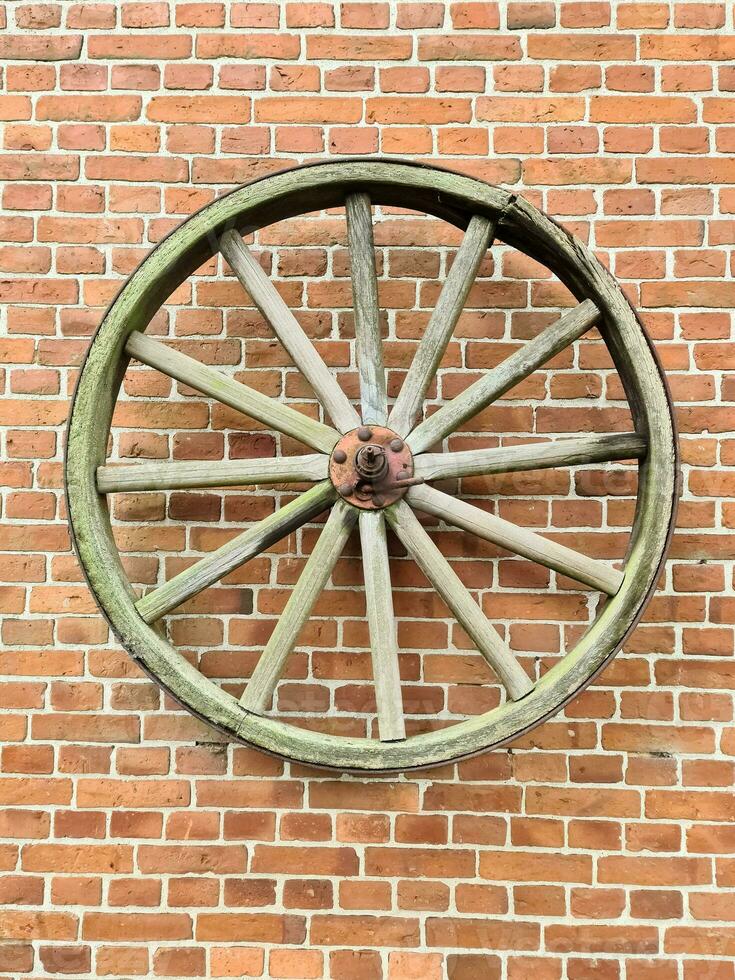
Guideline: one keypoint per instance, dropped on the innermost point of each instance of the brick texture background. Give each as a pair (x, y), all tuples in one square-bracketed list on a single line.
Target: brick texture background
[(135, 842)]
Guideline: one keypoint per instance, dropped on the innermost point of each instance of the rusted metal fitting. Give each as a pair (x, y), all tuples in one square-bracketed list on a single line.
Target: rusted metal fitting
[(370, 467)]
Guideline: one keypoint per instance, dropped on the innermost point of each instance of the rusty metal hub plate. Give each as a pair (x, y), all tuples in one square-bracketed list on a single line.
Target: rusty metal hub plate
[(371, 467)]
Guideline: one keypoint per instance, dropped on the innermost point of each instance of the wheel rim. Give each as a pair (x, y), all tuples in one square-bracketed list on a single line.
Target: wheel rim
[(483, 211)]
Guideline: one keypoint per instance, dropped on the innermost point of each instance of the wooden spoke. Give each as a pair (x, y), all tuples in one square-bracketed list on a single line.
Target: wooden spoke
[(507, 374), (230, 392), (195, 474), (449, 586), (367, 314), (534, 456), (519, 540), (245, 546), (311, 582), (449, 306), (288, 330), (381, 621)]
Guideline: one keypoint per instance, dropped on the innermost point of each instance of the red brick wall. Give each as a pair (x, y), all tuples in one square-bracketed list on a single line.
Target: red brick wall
[(137, 843)]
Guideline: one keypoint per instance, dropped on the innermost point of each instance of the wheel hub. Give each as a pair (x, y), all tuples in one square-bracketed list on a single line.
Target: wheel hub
[(371, 467)]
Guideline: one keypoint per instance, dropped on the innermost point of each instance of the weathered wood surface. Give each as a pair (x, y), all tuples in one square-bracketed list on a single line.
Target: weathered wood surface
[(466, 611), (477, 239), (198, 474), (382, 626), (518, 540), (368, 344), (236, 552), (288, 330), (226, 390), (310, 585), (510, 372), (533, 456)]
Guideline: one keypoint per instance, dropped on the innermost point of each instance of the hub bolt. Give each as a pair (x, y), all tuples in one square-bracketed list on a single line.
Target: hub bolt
[(339, 456), (371, 462), (364, 434), (396, 445), (346, 489)]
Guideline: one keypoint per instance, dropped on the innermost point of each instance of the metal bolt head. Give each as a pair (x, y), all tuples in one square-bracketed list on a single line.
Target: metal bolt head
[(378, 501), (339, 456), (345, 489), (364, 434), (396, 445)]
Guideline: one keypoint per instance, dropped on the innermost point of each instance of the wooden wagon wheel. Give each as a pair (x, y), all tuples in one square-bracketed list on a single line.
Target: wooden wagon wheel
[(373, 469)]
